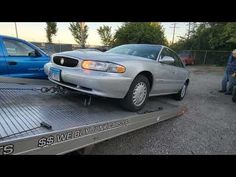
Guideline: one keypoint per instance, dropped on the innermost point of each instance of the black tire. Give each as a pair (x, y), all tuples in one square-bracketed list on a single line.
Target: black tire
[(128, 102), (180, 95)]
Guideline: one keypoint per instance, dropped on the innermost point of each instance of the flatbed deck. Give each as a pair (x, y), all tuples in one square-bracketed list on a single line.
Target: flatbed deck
[(32, 122)]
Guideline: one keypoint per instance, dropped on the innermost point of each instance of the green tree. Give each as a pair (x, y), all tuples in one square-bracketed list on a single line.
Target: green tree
[(223, 36), (105, 35), (80, 32), (210, 35), (140, 32), (51, 29)]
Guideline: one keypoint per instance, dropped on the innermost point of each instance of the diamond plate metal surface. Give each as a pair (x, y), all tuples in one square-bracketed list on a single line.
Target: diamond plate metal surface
[(22, 111)]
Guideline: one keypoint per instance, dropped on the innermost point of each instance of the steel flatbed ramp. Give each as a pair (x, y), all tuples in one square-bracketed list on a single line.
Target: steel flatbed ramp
[(35, 123)]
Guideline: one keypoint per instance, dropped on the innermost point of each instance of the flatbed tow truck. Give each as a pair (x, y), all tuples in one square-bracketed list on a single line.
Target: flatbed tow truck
[(32, 122)]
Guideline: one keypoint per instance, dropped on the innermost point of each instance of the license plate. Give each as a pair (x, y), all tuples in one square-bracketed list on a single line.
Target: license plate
[(55, 74)]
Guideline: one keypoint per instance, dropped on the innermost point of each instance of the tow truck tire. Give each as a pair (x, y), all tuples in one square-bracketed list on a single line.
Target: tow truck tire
[(180, 95), (137, 95)]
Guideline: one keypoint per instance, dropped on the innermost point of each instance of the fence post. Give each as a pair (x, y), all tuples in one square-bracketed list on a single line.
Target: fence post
[(205, 57)]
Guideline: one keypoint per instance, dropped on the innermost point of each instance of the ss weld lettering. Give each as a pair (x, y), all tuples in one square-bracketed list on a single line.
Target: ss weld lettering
[(46, 141), (7, 149)]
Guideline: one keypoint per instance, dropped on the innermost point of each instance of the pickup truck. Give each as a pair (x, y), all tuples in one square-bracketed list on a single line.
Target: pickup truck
[(19, 58)]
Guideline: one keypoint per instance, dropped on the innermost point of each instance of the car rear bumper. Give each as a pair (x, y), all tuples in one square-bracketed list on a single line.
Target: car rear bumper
[(98, 83)]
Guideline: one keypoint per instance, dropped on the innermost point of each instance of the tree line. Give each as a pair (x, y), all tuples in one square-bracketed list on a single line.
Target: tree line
[(129, 32), (208, 36), (201, 36)]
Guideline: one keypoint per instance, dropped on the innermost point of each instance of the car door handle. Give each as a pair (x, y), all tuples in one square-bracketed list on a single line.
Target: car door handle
[(12, 63)]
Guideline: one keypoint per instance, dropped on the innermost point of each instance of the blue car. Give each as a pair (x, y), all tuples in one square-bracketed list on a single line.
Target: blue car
[(19, 58)]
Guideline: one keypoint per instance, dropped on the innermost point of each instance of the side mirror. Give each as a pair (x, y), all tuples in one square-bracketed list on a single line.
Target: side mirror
[(167, 60)]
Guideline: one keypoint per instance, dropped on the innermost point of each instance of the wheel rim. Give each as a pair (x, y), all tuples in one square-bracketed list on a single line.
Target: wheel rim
[(183, 91), (139, 93)]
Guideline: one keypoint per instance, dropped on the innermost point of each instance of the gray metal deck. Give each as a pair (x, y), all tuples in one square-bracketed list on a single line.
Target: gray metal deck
[(22, 111)]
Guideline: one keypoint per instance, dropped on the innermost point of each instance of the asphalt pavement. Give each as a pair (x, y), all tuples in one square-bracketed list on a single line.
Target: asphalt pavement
[(208, 127)]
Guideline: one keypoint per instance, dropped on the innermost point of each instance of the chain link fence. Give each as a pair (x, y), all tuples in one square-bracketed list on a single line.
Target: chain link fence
[(208, 57), (200, 57), (52, 48)]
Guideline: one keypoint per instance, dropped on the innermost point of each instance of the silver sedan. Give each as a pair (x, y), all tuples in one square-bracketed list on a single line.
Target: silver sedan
[(129, 72)]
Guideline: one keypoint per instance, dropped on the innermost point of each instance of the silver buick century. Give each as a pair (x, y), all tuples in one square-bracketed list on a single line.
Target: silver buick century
[(129, 72)]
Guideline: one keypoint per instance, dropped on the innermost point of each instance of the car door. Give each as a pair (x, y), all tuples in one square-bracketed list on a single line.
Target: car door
[(179, 71), (164, 76), (3, 66), (23, 60)]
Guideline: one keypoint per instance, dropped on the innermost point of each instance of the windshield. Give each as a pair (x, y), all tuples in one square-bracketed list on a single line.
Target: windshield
[(140, 50)]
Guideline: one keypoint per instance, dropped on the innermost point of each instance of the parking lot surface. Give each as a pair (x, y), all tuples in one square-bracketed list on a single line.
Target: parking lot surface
[(208, 127)]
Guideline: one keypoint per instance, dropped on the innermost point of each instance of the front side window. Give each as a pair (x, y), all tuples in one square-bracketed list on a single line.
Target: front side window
[(17, 48), (167, 52), (178, 61)]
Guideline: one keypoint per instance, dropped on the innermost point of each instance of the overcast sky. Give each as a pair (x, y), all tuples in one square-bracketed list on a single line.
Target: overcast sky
[(35, 31)]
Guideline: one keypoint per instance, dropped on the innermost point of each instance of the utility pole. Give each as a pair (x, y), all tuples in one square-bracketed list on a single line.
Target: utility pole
[(189, 25), (191, 28), (16, 30), (173, 37)]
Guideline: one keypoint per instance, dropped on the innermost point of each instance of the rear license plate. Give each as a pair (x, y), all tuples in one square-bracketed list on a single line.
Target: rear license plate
[(55, 74)]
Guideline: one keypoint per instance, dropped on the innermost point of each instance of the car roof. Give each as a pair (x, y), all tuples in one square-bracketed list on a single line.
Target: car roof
[(88, 49), (157, 45)]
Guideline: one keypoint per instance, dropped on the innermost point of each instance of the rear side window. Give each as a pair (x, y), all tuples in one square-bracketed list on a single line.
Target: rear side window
[(17, 48)]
